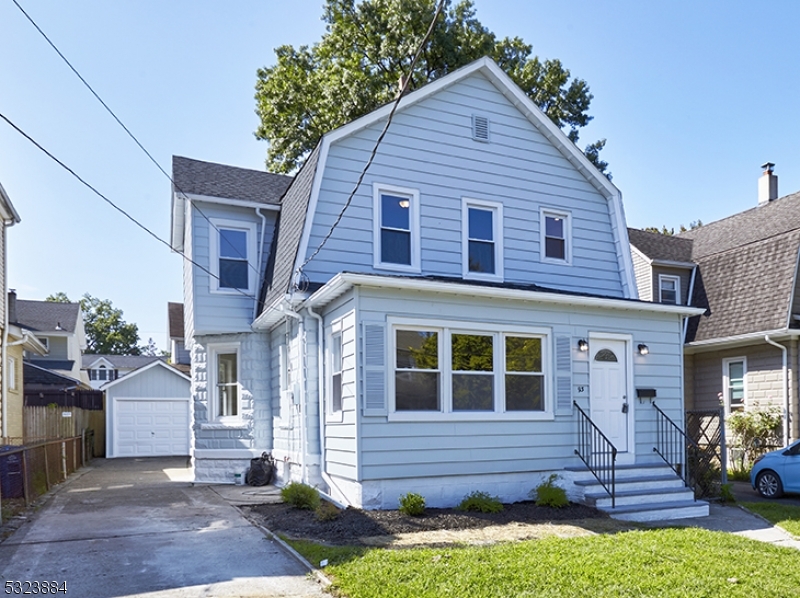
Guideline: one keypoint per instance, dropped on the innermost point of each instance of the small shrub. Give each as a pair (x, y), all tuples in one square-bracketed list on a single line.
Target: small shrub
[(300, 496), (739, 475), (326, 511), (412, 504), (548, 494), (726, 494), (481, 502)]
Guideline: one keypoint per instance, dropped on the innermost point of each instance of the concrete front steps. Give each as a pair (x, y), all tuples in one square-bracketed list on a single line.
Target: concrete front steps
[(644, 492)]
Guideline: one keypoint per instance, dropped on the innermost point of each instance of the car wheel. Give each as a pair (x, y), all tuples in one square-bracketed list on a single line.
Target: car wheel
[(769, 484)]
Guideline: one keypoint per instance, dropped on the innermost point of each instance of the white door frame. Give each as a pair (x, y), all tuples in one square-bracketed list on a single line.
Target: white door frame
[(628, 456)]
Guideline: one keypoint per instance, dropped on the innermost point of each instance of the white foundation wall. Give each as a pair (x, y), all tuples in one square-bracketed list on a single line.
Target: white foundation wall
[(447, 491), (220, 451)]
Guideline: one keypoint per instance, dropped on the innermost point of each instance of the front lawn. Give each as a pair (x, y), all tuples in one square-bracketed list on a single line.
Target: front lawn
[(659, 562), (786, 516)]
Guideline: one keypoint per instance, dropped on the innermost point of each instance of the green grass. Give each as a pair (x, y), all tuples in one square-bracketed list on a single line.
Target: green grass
[(661, 562), (786, 516)]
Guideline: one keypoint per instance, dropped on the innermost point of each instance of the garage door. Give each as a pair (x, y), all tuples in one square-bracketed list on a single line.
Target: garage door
[(150, 428)]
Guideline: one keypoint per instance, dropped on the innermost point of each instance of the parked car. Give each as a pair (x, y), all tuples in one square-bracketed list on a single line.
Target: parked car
[(777, 472)]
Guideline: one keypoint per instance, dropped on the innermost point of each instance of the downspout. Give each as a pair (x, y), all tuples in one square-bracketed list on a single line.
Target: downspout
[(302, 333), (260, 256), (4, 350), (784, 351), (320, 394)]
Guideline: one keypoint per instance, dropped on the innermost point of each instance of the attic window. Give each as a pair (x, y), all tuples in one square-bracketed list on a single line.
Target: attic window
[(480, 128)]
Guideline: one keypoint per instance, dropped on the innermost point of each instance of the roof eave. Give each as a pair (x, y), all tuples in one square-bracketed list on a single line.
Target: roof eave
[(740, 340)]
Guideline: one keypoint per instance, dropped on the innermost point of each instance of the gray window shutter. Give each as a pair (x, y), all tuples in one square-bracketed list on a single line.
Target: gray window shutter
[(374, 369), (563, 362)]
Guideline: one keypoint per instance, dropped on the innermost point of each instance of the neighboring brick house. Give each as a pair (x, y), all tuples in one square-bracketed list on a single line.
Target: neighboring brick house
[(744, 271)]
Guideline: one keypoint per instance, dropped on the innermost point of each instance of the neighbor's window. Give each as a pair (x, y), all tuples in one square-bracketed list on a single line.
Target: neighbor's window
[(555, 236), (669, 289), (233, 250), (227, 384), (336, 373), (397, 228), (734, 370), (417, 382), (482, 243), (491, 372), (12, 373)]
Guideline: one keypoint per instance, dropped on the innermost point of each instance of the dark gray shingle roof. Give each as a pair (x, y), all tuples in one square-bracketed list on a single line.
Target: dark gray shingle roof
[(289, 232), (661, 247), (36, 376), (44, 316), (230, 182), (175, 317), (53, 364)]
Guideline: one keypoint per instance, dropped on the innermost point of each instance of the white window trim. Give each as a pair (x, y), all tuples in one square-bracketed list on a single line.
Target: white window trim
[(445, 328), (213, 412), (726, 382), (45, 341), (413, 223), (676, 280), (334, 416), (567, 217), (497, 233), (213, 252)]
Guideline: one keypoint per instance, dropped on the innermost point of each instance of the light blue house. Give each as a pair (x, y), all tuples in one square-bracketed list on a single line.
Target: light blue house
[(453, 329)]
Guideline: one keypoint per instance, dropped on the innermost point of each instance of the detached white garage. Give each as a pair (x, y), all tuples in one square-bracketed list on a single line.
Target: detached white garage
[(147, 413)]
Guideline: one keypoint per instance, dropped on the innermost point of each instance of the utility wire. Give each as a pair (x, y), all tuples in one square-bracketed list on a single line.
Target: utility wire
[(406, 82), (128, 131), (109, 202)]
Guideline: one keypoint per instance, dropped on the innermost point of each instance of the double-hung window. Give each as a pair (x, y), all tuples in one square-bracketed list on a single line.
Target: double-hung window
[(233, 254), (458, 370), (12, 373), (225, 399), (482, 239), (556, 233), (336, 373), (669, 289), (734, 372), (396, 236)]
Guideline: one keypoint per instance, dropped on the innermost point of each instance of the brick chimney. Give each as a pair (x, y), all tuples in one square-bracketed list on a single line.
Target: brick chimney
[(12, 306), (767, 185)]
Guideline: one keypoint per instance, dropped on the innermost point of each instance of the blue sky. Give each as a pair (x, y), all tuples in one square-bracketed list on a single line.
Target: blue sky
[(692, 96)]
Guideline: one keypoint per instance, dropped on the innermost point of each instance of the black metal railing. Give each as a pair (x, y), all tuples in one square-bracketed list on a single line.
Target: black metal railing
[(597, 453), (676, 448)]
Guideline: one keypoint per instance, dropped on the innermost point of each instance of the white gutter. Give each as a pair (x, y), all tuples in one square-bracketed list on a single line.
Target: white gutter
[(785, 352), (302, 333), (343, 281), (321, 394), (743, 338), (259, 271)]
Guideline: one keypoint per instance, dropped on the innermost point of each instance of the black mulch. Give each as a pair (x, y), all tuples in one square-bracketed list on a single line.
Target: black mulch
[(352, 524)]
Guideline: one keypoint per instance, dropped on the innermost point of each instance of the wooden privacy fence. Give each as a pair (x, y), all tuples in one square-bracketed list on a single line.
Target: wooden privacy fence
[(28, 472)]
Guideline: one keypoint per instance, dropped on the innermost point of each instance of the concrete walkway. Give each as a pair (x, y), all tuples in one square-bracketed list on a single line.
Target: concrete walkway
[(138, 527)]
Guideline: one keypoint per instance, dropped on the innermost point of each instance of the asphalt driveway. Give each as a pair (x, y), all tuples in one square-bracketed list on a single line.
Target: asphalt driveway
[(138, 527)]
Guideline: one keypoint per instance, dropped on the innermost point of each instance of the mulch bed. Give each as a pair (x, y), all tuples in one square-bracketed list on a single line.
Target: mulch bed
[(352, 525)]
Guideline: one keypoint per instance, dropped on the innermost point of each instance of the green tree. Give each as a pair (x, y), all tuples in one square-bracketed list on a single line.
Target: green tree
[(671, 231), (357, 65), (106, 332)]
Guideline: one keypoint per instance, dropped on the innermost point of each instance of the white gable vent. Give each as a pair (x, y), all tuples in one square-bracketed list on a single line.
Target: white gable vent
[(480, 128)]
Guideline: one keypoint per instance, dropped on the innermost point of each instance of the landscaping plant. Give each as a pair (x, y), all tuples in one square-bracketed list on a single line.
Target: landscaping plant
[(412, 504), (300, 496), (754, 433), (481, 502), (549, 494)]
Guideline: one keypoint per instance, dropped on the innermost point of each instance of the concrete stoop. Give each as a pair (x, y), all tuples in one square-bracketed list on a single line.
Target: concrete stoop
[(644, 492)]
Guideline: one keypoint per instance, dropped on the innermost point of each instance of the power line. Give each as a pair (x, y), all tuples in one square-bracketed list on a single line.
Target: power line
[(128, 131), (406, 81), (109, 202)]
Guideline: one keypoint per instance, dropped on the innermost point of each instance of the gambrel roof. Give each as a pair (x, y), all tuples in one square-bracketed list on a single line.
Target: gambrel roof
[(746, 269)]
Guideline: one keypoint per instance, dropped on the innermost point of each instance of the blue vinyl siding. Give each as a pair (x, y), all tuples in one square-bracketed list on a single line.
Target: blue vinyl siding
[(399, 449), (518, 168), (210, 312)]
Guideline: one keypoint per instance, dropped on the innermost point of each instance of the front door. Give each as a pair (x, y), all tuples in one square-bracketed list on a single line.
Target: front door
[(608, 394)]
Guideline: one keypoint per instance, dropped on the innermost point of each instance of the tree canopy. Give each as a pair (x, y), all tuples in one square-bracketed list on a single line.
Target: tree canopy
[(358, 63), (671, 231), (106, 332)]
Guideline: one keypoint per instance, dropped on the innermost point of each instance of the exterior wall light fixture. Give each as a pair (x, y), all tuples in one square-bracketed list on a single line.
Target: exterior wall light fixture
[(583, 346), (643, 349)]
